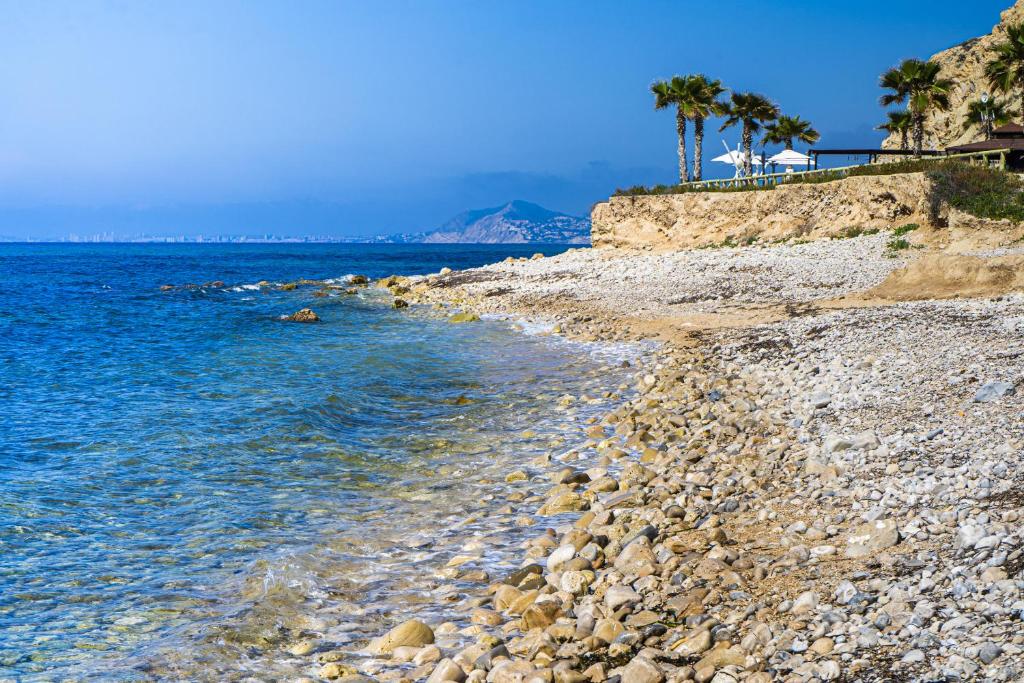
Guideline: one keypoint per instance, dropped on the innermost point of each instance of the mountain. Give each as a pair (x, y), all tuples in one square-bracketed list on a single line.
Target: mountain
[(517, 222), (965, 65)]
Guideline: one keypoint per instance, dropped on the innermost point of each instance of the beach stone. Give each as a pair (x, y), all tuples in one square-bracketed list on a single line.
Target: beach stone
[(304, 315), (694, 644), (560, 556), (620, 595), (427, 655), (302, 648), (447, 670), (822, 646), (575, 582), (993, 390), (819, 399), (539, 615), (335, 670), (642, 670), (637, 558), (804, 604), (871, 537), (722, 655), (400, 303), (464, 318), (989, 652), (569, 501), (413, 633), (608, 630), (518, 576)]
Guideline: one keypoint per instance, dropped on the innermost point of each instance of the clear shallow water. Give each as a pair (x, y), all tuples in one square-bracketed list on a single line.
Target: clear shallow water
[(188, 484)]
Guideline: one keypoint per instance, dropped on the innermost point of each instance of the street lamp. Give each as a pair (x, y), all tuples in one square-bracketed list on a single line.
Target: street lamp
[(987, 116)]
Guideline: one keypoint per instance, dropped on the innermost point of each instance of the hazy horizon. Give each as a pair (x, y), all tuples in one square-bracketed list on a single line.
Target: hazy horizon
[(357, 118)]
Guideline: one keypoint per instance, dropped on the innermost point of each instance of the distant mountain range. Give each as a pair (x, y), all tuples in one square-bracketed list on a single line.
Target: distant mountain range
[(517, 222)]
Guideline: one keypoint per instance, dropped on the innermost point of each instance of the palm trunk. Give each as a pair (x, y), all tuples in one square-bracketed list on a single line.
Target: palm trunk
[(698, 147), (903, 139), (918, 134), (789, 144), (748, 143), (684, 174)]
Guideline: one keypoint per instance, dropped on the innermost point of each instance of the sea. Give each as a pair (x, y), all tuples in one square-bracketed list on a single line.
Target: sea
[(192, 488)]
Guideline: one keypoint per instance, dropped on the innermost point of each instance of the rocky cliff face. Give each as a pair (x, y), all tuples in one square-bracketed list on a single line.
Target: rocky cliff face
[(682, 221), (965, 65)]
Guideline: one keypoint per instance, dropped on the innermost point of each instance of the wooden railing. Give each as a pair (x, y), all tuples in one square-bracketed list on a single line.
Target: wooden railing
[(772, 179)]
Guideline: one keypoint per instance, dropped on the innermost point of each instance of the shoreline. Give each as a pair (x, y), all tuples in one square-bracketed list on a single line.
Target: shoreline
[(774, 524)]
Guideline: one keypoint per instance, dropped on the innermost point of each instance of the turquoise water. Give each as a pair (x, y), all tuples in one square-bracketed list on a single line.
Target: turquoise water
[(188, 484)]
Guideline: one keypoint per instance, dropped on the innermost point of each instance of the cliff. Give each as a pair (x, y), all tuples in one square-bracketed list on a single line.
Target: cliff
[(680, 221), (965, 65)]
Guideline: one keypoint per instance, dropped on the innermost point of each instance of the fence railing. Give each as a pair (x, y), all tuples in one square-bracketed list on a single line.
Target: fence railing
[(772, 179)]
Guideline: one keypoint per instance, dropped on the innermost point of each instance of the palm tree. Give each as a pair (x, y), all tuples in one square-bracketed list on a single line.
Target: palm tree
[(788, 127), (917, 83), (984, 115), (899, 121), (1005, 71), (751, 110), (668, 94), (701, 102)]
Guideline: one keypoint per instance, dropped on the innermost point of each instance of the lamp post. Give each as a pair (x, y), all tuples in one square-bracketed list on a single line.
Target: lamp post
[(987, 116)]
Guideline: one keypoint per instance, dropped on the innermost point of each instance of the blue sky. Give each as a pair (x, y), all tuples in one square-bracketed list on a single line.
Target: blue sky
[(366, 117)]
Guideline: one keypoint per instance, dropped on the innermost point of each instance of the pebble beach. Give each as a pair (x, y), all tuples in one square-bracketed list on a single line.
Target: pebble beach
[(799, 482)]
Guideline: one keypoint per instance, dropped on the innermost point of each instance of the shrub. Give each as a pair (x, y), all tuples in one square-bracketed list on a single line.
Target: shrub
[(904, 229), (978, 190)]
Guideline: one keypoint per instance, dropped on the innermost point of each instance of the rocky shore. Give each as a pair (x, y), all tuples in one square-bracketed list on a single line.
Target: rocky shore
[(807, 484)]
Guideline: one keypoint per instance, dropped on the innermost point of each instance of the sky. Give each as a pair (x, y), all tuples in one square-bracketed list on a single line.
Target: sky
[(355, 118)]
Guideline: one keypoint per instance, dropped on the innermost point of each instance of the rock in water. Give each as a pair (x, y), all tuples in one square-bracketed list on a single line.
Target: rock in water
[(306, 315), (400, 303), (413, 633), (464, 318)]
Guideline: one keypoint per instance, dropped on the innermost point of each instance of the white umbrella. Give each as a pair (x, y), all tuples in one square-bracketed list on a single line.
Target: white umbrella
[(735, 158), (789, 157)]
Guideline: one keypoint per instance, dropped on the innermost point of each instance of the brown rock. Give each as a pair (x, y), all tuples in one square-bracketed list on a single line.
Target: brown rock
[(304, 315)]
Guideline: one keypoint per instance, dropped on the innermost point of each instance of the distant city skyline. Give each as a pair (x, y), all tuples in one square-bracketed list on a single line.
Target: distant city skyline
[(351, 118)]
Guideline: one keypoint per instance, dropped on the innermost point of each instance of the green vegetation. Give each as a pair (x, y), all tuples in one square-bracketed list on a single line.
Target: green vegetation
[(897, 244), (1005, 71), (984, 115), (917, 83), (979, 191), (898, 122), (904, 229), (751, 111), (787, 128), (850, 233), (695, 99)]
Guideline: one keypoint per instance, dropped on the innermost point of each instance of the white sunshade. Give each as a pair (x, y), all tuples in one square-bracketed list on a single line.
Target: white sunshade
[(789, 157), (735, 158)]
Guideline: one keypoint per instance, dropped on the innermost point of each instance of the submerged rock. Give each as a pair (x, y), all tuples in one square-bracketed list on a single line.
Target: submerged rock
[(400, 303), (464, 318)]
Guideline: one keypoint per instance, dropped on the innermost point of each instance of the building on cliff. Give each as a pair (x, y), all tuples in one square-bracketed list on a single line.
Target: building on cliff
[(1008, 138)]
